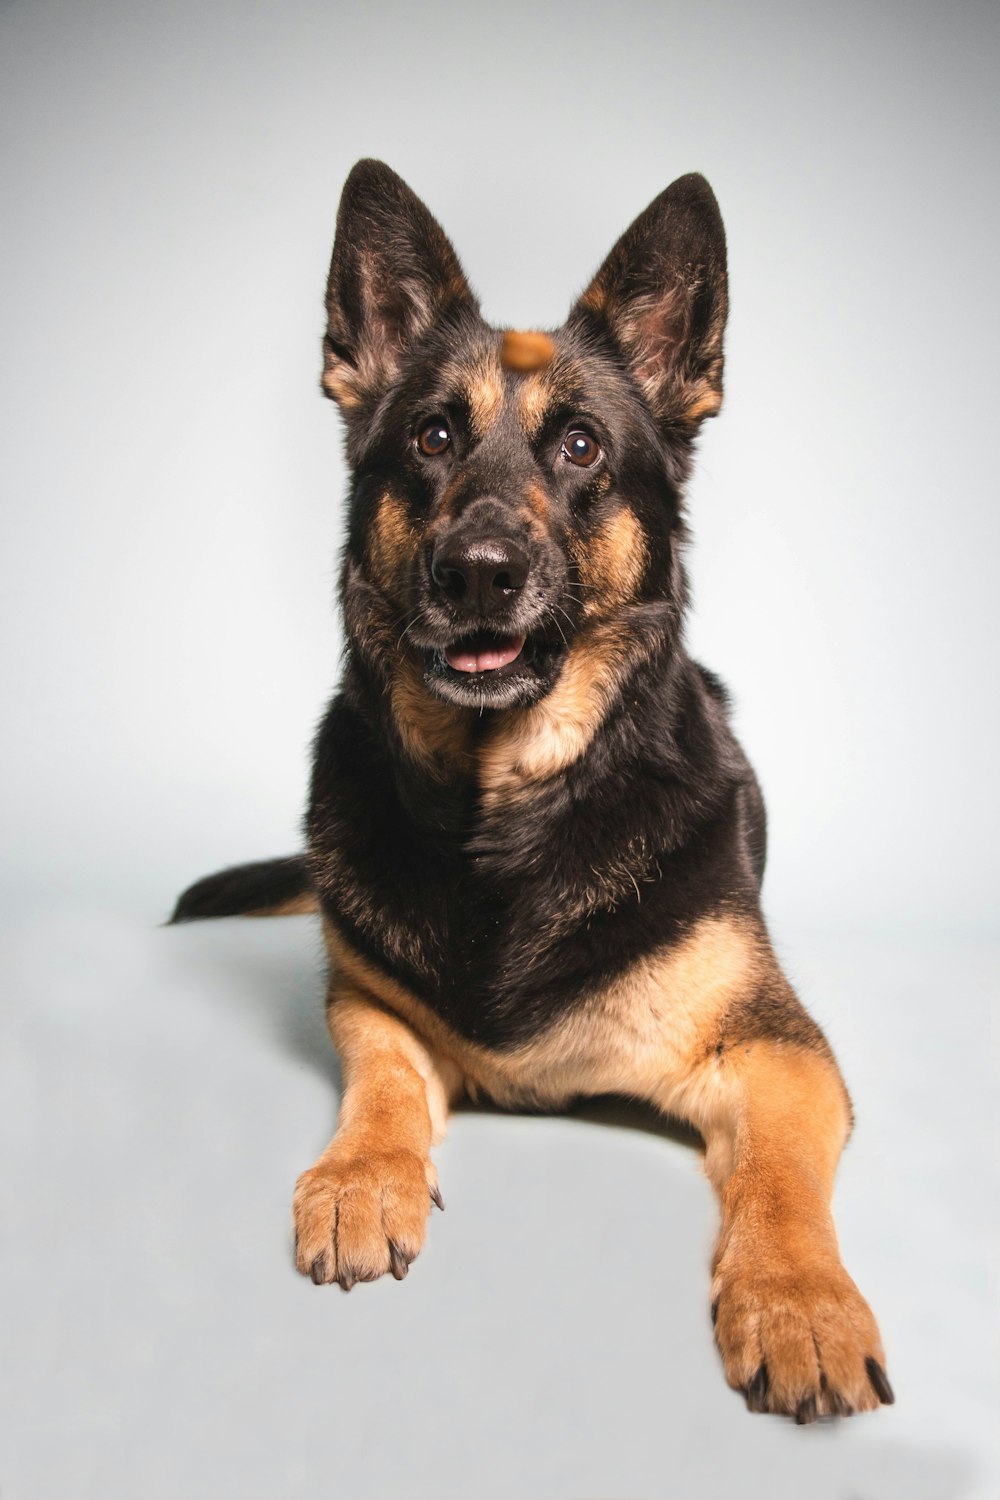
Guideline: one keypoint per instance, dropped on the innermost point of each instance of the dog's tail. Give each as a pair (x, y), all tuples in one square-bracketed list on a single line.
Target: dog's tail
[(270, 888)]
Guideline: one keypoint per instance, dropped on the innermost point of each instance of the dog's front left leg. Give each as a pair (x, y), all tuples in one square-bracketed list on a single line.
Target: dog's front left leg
[(794, 1331), (361, 1209)]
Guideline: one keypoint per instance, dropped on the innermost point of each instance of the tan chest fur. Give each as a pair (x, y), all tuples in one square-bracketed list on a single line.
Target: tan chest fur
[(648, 1034)]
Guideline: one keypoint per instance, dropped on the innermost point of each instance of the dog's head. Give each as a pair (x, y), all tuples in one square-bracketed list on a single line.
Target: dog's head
[(514, 492)]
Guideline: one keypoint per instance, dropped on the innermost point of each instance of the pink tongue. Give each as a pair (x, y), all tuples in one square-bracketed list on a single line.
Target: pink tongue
[(466, 656)]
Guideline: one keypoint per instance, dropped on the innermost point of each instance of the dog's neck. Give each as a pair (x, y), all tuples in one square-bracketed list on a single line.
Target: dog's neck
[(449, 761)]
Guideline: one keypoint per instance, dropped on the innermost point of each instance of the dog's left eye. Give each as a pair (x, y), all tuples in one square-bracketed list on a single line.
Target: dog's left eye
[(581, 449), (434, 439)]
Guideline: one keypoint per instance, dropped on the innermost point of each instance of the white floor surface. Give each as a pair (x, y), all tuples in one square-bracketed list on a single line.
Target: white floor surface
[(162, 1088)]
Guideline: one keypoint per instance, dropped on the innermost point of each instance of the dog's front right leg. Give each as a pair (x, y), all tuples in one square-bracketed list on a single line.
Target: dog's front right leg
[(361, 1209)]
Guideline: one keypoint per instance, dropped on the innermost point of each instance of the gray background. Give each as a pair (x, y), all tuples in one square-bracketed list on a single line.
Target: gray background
[(171, 513)]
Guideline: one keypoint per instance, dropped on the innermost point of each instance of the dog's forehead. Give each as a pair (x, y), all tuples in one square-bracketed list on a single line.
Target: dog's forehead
[(506, 375)]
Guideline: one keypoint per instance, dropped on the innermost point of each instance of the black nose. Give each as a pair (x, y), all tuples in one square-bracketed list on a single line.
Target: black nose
[(479, 573)]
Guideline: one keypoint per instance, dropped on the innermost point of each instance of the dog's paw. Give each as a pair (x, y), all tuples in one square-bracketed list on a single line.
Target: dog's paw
[(359, 1215), (801, 1341)]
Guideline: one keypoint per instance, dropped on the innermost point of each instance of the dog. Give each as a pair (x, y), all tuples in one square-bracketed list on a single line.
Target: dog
[(534, 841)]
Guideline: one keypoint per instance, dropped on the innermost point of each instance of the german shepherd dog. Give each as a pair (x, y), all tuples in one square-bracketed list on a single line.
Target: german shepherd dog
[(536, 846)]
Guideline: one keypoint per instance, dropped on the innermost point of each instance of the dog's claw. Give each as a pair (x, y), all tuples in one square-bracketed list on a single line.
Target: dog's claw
[(757, 1390), (398, 1261), (317, 1271), (436, 1197), (346, 1278), (715, 1312), (806, 1411), (880, 1381)]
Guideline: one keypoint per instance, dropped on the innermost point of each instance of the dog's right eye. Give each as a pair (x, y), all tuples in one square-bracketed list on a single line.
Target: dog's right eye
[(581, 449), (434, 440)]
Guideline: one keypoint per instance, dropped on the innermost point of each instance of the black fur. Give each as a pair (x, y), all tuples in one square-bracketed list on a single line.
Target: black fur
[(664, 790), (262, 886)]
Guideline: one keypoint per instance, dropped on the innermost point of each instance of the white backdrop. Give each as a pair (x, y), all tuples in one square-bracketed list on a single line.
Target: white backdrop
[(172, 478), (171, 515)]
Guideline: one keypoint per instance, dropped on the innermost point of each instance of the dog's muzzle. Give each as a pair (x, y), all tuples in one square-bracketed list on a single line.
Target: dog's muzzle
[(487, 608), (479, 579)]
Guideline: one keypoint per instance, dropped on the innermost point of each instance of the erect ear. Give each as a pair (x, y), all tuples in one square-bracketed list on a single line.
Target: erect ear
[(393, 274), (662, 296)]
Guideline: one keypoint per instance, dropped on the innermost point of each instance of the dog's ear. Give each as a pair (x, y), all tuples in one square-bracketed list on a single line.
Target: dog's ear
[(661, 294), (393, 274)]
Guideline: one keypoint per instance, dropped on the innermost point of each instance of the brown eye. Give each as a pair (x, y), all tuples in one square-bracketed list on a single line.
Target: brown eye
[(581, 449), (434, 440)]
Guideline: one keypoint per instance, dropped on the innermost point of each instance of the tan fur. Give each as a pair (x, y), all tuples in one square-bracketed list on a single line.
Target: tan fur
[(444, 509), (339, 383), (523, 352), (775, 1124), (538, 503), (533, 744), (646, 1034), (539, 391), (483, 385), (296, 906), (390, 543), (361, 1209), (533, 401), (484, 389), (611, 564), (435, 734), (595, 297), (774, 1118), (705, 401)]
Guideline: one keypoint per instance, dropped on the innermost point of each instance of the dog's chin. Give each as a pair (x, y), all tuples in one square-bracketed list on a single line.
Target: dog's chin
[(486, 671)]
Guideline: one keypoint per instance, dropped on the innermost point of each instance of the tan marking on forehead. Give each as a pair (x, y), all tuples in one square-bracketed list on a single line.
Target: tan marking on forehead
[(390, 542), (611, 563), (524, 352), (533, 400), (484, 388), (437, 735)]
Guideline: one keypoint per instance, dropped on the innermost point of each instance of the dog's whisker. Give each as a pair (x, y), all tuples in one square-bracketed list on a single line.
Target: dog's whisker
[(550, 614), (418, 614)]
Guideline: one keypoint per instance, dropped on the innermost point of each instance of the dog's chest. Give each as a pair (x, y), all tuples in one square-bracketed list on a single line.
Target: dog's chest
[(507, 923)]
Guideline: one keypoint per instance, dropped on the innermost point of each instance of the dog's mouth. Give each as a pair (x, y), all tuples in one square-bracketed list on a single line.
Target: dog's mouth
[(484, 652), (491, 669)]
